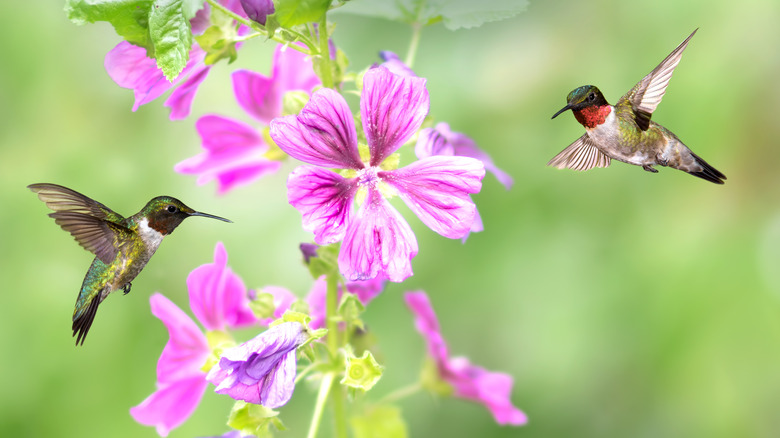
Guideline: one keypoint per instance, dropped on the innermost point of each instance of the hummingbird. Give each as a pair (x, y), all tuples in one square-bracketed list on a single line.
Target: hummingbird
[(624, 132), (122, 246)]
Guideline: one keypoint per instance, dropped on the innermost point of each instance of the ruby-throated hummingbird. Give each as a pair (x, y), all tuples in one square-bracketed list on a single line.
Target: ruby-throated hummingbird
[(122, 246), (624, 132)]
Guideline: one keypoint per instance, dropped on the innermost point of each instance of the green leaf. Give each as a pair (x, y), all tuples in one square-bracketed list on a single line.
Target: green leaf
[(289, 13), (380, 422), (456, 14), (169, 28), (219, 40), (130, 18)]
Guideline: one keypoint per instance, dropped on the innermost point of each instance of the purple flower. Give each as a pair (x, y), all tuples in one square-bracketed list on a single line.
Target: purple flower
[(235, 152), (469, 381), (261, 370), (376, 240), (130, 68), (257, 10), (218, 299)]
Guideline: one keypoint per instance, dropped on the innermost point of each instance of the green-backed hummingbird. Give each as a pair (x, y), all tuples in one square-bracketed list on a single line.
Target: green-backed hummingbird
[(624, 132), (122, 246)]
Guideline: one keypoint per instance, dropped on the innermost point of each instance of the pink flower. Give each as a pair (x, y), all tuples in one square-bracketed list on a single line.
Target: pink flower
[(235, 152), (469, 381), (261, 370), (130, 68), (376, 240), (219, 300)]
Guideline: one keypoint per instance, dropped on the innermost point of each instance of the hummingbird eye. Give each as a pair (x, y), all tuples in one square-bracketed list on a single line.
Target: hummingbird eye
[(592, 96), (172, 209)]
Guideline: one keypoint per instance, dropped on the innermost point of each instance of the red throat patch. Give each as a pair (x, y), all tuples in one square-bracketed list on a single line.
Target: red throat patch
[(592, 116)]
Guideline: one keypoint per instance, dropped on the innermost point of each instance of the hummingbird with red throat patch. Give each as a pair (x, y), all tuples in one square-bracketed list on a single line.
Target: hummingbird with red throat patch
[(624, 132), (122, 246)]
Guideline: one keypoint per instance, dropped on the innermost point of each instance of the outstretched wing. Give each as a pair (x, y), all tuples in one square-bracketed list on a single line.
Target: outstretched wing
[(580, 155), (647, 94), (94, 226)]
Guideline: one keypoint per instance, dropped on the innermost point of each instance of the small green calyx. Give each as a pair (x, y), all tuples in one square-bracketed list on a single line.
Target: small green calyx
[(431, 380), (350, 309), (263, 305), (293, 102), (362, 372), (327, 261), (274, 152), (253, 419), (218, 341)]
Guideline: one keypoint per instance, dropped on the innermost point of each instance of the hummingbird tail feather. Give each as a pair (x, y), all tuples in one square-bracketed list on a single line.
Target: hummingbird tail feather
[(82, 320), (707, 172)]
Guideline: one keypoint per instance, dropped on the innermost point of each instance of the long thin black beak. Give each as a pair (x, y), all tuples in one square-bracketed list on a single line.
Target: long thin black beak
[(567, 107), (197, 213)]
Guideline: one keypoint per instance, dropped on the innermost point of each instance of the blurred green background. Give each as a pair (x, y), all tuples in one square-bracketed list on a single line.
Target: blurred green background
[(624, 303)]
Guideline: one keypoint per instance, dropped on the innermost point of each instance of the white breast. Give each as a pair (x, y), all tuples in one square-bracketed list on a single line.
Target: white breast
[(151, 236)]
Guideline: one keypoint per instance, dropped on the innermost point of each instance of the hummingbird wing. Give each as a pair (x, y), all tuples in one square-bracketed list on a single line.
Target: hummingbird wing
[(94, 226), (580, 155), (647, 94)]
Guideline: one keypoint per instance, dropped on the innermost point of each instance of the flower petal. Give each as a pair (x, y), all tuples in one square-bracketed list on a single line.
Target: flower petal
[(172, 403), (428, 325), (322, 134), (430, 142), (394, 64), (187, 348), (443, 141), (218, 297), (437, 189), (180, 101), (257, 10), (261, 370), (378, 242), (255, 93), (129, 67), (293, 70), (324, 198), (490, 388), (392, 108), (233, 153)]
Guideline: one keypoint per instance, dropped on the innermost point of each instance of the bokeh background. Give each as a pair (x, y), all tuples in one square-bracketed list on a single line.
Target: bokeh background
[(624, 303)]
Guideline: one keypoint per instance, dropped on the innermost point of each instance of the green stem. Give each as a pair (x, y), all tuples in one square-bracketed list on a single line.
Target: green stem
[(322, 396), (411, 53), (262, 30), (337, 393), (400, 394), (325, 71)]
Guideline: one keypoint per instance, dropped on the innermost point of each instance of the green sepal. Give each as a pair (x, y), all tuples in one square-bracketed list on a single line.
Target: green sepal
[(431, 380), (293, 102), (130, 18), (383, 421), (263, 305), (361, 372), (219, 341), (289, 13), (253, 419), (219, 40), (327, 261), (292, 316), (350, 309)]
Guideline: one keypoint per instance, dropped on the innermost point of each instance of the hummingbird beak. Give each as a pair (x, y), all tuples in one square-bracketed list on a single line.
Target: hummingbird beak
[(197, 213), (567, 107)]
